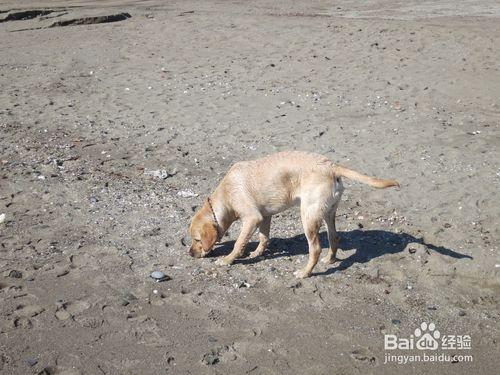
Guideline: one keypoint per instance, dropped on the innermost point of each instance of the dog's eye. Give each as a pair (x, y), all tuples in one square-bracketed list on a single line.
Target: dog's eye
[(196, 240)]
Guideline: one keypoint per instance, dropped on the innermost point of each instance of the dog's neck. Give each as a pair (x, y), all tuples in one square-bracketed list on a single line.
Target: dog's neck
[(224, 214)]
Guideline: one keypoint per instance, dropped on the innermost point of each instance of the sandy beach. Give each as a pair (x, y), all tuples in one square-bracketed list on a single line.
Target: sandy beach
[(117, 120)]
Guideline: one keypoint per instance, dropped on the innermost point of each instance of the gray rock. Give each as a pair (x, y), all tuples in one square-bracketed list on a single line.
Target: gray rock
[(158, 276)]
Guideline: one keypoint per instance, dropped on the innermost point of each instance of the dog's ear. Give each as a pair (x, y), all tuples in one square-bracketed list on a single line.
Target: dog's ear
[(208, 236)]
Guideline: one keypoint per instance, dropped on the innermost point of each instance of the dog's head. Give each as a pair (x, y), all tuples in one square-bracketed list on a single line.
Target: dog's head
[(203, 233)]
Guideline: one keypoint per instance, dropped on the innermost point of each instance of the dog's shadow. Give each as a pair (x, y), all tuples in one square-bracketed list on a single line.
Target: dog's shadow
[(369, 244)]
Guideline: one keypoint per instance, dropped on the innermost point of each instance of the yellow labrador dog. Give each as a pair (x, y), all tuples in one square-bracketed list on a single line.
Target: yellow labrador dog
[(255, 190)]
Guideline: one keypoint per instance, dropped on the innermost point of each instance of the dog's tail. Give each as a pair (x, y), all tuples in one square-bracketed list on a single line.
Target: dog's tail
[(353, 175)]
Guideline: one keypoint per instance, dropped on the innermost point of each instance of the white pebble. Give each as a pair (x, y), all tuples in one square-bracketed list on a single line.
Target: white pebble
[(187, 194)]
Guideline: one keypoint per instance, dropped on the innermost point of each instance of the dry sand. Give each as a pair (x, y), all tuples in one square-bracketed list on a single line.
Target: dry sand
[(407, 90)]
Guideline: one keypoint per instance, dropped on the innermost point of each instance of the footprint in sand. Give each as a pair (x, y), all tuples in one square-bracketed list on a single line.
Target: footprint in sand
[(23, 322), (70, 309), (365, 356), (29, 311)]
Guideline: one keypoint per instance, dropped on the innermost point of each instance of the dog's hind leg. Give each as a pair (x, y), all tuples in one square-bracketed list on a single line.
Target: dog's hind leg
[(311, 220), (264, 229), (333, 238)]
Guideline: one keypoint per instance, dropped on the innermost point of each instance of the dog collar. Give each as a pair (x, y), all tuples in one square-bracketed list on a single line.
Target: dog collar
[(219, 231)]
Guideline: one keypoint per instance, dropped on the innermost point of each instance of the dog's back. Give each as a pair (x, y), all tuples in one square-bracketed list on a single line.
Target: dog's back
[(275, 182)]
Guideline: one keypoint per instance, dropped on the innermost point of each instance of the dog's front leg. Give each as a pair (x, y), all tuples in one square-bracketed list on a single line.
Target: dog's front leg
[(247, 230)]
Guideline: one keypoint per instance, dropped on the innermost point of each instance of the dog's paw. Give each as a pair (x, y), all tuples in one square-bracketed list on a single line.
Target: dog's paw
[(329, 260), (255, 254), (224, 261), (301, 274)]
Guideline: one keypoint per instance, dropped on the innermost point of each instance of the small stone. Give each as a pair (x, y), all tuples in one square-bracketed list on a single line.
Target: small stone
[(2, 218), (412, 250), (396, 321), (15, 274), (462, 313), (93, 200), (212, 339), (158, 276), (432, 307)]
